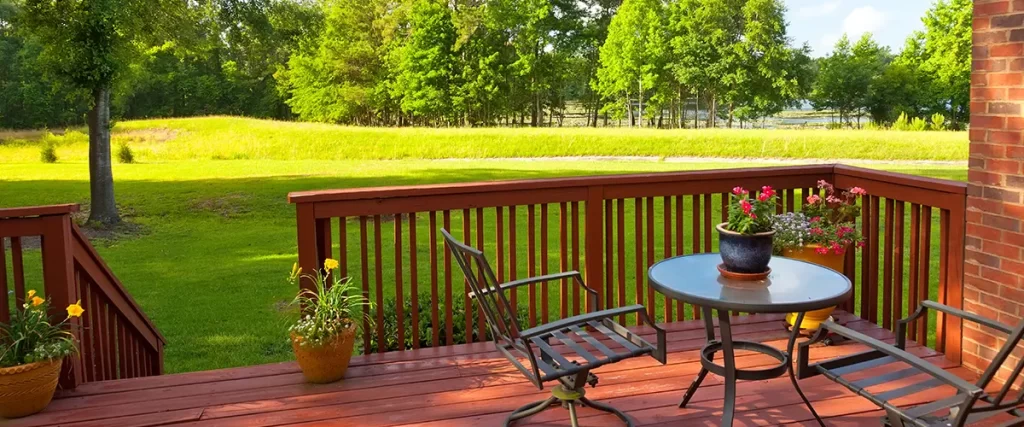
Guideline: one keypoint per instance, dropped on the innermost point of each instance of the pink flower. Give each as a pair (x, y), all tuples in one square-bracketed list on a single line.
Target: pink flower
[(821, 251), (764, 197), (860, 244), (740, 191), (746, 206), (833, 199), (812, 199), (815, 219), (825, 185), (842, 231), (768, 190), (752, 215), (817, 231), (858, 191)]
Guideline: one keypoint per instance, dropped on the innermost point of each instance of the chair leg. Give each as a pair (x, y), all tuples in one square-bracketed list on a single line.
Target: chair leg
[(572, 414), (530, 409)]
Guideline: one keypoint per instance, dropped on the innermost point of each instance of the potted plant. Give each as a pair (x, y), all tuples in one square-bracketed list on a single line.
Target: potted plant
[(32, 349), (821, 234), (745, 241), (325, 333)]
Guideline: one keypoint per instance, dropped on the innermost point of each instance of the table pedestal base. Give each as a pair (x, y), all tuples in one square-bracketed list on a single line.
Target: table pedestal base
[(728, 369)]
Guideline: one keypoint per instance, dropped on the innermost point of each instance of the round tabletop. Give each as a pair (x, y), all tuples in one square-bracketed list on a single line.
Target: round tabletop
[(792, 286)]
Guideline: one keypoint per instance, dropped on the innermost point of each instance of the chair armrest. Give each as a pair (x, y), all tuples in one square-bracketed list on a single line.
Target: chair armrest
[(575, 275), (660, 351), (905, 357), (928, 304)]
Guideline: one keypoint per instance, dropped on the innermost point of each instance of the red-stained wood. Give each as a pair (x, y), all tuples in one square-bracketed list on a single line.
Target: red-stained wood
[(414, 285), (499, 246), (898, 247), (888, 315), (513, 264), (38, 211), (638, 247), (480, 238), (563, 259), (469, 387), (467, 238), (620, 217), (695, 224), (343, 247), (88, 350), (649, 238), (914, 276), (609, 252), (924, 265), (18, 271), (594, 281), (545, 297), (364, 269), (378, 278), (667, 240), (531, 261), (708, 223), (5, 314), (951, 293), (449, 323), (435, 333), (680, 246), (399, 291)]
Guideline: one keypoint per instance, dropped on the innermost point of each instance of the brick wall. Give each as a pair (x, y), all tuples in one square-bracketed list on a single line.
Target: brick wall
[(994, 282)]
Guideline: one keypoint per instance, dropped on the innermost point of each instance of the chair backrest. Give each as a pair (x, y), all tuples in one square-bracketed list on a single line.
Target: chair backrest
[(501, 319), (1013, 338)]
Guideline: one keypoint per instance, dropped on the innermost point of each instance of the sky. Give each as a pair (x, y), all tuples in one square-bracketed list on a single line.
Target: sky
[(821, 22)]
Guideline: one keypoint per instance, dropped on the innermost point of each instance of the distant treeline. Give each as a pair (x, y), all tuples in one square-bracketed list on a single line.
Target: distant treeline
[(490, 63)]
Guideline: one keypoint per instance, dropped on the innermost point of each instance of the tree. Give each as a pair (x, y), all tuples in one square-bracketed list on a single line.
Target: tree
[(89, 42), (761, 83), (632, 55), (845, 77), (426, 68), (947, 45)]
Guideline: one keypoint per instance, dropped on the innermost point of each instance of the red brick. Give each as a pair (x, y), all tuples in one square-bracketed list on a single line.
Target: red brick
[(1015, 181), (1006, 137), (1014, 65), (1003, 166), (990, 206), (988, 233), (1015, 94), (990, 37), (1001, 194), (984, 178), (1001, 222), (1015, 123), (1013, 267), (979, 121), (1005, 79), (971, 269), (983, 258), (1003, 108), (1001, 250), (1012, 293), (1013, 211), (1016, 35), (975, 162), (1001, 304), (987, 150), (985, 286), (974, 217), (1017, 5), (986, 9), (1006, 50), (980, 52), (1015, 152), (1008, 21), (990, 65), (980, 23)]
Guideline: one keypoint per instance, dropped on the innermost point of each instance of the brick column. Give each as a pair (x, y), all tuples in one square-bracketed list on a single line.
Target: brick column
[(994, 270)]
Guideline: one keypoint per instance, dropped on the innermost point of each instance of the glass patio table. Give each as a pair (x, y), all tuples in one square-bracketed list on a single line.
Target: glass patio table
[(793, 286)]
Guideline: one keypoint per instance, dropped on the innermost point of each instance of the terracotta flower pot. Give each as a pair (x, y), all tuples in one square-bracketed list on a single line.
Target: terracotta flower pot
[(745, 253), (27, 389), (326, 363), (812, 320)]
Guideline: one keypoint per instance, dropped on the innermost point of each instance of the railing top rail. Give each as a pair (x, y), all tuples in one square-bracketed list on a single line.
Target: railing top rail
[(935, 184), (35, 211), (547, 183)]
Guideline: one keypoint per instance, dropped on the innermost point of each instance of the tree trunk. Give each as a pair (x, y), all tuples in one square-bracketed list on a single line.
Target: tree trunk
[(101, 177), (640, 102), (731, 109), (696, 109)]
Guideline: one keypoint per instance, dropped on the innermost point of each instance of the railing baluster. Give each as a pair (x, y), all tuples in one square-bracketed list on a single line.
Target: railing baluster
[(5, 314), (343, 247), (915, 240), (513, 265), (563, 258), (364, 266), (638, 212), (695, 227), (940, 324), (87, 351), (531, 260), (122, 348), (378, 268), (499, 248), (449, 323), (399, 285), (898, 248), (111, 340), (651, 303), (680, 247), (544, 297), (414, 288), (575, 226), (18, 270), (467, 303), (620, 222), (609, 254), (888, 316), (871, 277), (924, 263), (708, 237), (435, 333), (865, 265), (667, 233), (480, 236)]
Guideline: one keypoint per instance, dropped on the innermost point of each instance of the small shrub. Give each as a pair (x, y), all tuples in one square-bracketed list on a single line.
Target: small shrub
[(426, 326), (918, 125), (48, 153), (873, 126), (125, 153), (938, 122), (834, 125), (901, 123)]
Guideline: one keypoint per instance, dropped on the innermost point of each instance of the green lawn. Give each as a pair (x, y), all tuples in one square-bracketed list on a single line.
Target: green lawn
[(219, 138), (218, 237)]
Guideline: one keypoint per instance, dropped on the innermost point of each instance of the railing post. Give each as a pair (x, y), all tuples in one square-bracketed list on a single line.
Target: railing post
[(952, 291), (594, 252), (60, 286), (307, 242)]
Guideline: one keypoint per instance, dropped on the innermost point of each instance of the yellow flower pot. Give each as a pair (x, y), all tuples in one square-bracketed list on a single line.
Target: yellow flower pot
[(27, 389), (327, 363), (812, 320)]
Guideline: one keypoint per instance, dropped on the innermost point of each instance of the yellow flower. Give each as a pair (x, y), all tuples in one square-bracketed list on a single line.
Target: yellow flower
[(36, 301), (330, 264), (31, 293), (76, 310)]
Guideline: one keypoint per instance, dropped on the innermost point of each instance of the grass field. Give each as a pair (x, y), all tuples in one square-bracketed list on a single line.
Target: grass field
[(215, 238), (219, 138)]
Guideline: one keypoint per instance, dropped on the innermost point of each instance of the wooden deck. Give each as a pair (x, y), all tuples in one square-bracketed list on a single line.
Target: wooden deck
[(471, 385)]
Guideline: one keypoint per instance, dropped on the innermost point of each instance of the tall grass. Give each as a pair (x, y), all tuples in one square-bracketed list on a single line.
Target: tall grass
[(219, 138)]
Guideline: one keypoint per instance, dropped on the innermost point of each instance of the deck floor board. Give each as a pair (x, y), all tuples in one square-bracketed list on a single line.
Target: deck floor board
[(472, 385)]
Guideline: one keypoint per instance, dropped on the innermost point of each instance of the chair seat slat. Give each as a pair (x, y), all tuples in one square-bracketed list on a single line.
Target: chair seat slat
[(949, 402), (910, 389), (546, 349), (880, 379), (632, 348), (861, 366), (576, 347), (593, 341)]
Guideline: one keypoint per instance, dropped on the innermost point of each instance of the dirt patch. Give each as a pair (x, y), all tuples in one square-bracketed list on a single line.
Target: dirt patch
[(147, 135), (227, 206), (98, 234), (26, 135)]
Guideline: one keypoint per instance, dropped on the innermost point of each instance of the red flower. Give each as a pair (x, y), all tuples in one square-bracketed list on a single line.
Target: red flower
[(858, 191), (764, 197), (821, 250), (815, 219), (767, 190), (812, 199), (740, 191), (746, 206), (860, 244), (817, 231)]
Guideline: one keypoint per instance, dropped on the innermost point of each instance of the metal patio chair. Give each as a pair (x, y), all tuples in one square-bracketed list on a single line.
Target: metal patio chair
[(601, 341), (971, 402)]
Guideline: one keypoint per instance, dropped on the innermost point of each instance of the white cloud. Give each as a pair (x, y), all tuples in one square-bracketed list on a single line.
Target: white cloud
[(863, 20), (818, 10)]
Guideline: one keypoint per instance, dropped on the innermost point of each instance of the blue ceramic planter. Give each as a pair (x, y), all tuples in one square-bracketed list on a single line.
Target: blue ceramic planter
[(745, 253)]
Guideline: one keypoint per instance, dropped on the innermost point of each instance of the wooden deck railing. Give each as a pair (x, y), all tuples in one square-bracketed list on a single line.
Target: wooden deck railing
[(612, 228), (116, 338)]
